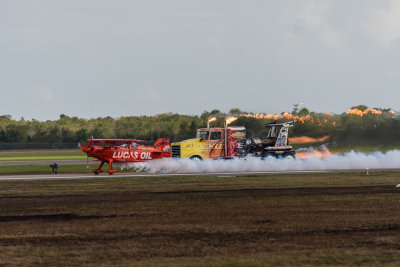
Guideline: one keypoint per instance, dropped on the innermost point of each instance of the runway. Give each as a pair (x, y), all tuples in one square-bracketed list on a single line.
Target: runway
[(90, 175)]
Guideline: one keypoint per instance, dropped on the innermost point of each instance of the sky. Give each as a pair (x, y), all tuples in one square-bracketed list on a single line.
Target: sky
[(98, 58)]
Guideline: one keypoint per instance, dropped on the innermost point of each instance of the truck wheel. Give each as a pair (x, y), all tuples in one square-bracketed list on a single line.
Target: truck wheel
[(269, 156), (289, 156), (196, 158)]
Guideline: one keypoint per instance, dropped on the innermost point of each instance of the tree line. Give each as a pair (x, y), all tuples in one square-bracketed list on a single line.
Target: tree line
[(370, 128)]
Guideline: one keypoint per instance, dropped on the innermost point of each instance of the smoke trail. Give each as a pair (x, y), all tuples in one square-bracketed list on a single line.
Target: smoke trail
[(350, 160)]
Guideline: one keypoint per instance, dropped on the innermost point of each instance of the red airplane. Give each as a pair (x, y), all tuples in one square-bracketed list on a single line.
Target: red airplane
[(124, 150)]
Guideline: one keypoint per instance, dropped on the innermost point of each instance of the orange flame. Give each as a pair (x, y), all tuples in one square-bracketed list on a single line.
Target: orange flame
[(229, 120), (307, 140), (325, 153), (362, 113), (329, 115), (285, 115), (212, 119), (289, 116)]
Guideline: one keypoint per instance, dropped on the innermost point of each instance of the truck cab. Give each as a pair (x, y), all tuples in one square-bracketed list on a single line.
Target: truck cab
[(209, 143)]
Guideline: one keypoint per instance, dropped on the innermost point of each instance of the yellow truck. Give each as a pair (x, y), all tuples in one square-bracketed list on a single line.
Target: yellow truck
[(210, 143)]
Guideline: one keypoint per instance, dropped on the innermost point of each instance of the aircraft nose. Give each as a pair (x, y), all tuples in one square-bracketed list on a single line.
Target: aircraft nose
[(86, 149)]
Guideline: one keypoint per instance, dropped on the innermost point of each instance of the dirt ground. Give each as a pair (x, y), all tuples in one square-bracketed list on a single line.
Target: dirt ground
[(118, 222)]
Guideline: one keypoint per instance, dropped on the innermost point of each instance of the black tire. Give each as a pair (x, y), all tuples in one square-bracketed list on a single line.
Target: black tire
[(96, 172), (196, 158), (268, 156), (289, 156)]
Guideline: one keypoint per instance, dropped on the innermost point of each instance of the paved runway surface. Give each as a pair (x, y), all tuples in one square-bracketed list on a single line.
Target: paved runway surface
[(90, 175)]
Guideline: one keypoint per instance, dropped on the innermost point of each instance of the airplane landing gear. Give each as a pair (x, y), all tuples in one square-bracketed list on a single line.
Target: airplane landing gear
[(98, 170), (110, 170)]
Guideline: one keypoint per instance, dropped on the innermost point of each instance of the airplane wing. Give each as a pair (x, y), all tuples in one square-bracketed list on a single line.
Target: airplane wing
[(118, 140)]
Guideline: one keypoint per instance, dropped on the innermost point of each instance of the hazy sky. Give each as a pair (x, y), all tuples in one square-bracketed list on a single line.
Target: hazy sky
[(124, 57)]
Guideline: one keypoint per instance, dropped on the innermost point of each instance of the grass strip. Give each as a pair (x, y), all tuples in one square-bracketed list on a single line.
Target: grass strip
[(45, 169), (57, 154)]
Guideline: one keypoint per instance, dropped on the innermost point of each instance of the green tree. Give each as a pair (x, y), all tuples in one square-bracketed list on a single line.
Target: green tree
[(15, 134), (360, 107), (235, 111), (82, 135), (303, 112)]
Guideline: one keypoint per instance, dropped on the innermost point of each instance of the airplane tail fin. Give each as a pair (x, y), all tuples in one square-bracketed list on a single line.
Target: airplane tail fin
[(162, 145)]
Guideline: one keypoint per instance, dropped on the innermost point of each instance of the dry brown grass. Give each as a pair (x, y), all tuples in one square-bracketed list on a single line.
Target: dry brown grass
[(241, 221)]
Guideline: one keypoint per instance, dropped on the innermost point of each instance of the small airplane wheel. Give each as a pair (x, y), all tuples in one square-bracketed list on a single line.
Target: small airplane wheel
[(96, 172)]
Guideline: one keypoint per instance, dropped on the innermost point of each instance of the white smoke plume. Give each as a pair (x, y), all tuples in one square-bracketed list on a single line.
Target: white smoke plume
[(346, 161)]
